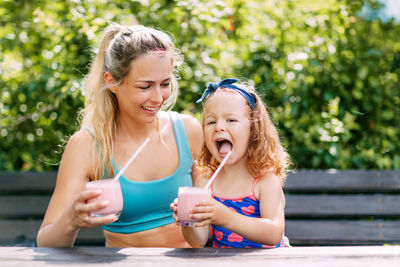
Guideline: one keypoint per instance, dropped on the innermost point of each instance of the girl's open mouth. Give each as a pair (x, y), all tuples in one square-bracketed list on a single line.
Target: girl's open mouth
[(224, 146)]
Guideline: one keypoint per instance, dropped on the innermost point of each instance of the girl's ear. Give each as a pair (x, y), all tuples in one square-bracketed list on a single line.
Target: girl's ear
[(109, 80)]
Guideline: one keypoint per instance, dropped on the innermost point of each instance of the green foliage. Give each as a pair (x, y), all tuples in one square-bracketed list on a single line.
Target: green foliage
[(329, 76)]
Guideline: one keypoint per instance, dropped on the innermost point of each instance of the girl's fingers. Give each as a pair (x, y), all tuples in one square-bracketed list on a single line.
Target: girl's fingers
[(202, 209)]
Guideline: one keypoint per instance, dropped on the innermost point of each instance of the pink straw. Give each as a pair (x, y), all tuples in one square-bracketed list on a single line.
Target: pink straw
[(116, 178), (218, 169)]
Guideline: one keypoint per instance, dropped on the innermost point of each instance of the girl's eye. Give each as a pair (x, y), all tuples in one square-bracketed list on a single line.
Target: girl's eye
[(231, 120), (210, 122)]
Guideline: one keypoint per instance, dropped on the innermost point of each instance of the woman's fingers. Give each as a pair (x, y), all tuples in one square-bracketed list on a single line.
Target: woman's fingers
[(83, 209), (88, 194), (92, 221)]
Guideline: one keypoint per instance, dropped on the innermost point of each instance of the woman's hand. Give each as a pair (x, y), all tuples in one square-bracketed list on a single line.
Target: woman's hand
[(81, 210), (210, 212)]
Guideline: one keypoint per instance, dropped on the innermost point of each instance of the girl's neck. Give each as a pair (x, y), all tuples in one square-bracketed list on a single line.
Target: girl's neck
[(234, 171), (233, 180)]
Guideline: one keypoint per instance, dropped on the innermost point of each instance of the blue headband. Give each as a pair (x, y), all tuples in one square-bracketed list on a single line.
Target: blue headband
[(228, 83)]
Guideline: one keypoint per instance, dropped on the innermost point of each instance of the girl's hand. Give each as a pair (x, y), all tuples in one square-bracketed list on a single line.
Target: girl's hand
[(210, 212), (174, 207), (81, 210)]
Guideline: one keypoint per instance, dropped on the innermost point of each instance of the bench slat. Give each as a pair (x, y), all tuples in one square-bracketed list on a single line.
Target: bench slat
[(342, 206), (23, 206), (296, 206), (27, 182), (343, 181), (29, 228), (320, 232)]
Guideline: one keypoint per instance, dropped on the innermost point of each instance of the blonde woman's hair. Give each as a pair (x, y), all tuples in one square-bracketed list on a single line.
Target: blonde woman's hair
[(264, 151), (119, 46)]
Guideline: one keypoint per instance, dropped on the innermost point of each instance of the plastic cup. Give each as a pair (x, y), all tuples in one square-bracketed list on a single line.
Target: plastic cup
[(111, 192), (188, 197)]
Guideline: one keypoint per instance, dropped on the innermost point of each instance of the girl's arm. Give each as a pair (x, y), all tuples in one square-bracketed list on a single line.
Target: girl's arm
[(67, 211), (266, 230)]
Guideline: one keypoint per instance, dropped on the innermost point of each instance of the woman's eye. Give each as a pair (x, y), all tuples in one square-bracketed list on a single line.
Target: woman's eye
[(144, 87), (165, 84)]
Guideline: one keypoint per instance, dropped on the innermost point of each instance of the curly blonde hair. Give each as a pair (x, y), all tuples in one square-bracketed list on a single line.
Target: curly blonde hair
[(119, 46), (264, 151)]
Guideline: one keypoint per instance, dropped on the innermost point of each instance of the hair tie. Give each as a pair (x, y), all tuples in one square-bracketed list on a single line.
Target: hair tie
[(228, 83)]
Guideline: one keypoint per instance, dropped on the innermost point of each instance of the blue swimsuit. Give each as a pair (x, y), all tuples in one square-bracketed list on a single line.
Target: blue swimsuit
[(247, 205), (146, 204)]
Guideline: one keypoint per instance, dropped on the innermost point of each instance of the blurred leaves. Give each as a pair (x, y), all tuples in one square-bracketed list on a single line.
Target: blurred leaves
[(329, 75)]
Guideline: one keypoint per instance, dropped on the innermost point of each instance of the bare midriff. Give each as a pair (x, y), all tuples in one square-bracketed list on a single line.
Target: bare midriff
[(169, 235)]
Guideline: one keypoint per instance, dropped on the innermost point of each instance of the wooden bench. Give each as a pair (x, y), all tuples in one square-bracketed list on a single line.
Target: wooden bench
[(24, 197), (352, 207), (349, 207)]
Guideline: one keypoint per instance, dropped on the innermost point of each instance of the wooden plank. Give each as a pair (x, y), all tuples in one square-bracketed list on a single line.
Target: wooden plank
[(343, 181), (10, 229), (343, 206), (23, 206), (27, 182), (371, 256), (352, 232)]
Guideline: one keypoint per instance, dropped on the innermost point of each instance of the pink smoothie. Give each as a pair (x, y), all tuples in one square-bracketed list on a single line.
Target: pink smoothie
[(188, 197), (111, 192)]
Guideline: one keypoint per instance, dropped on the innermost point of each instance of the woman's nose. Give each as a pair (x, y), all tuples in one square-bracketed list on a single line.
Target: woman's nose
[(156, 95)]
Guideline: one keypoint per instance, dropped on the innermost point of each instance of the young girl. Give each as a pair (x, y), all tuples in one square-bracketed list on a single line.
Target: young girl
[(131, 81), (248, 205)]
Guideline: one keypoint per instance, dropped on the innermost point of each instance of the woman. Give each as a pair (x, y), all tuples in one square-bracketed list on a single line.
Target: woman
[(131, 81)]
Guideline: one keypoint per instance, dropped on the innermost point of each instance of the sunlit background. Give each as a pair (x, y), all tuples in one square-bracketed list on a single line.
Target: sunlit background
[(328, 70)]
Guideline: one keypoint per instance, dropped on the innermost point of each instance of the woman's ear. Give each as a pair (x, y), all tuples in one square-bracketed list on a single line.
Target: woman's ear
[(109, 80)]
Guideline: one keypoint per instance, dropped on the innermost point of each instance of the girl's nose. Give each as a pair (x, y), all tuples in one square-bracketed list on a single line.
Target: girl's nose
[(219, 126)]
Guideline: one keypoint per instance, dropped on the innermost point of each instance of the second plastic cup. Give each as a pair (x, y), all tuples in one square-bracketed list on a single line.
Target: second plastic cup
[(188, 197), (111, 192)]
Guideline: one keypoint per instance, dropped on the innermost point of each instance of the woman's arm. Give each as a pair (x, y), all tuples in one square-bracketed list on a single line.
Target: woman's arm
[(67, 211), (266, 230)]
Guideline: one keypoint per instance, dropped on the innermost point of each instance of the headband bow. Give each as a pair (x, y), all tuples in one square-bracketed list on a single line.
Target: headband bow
[(228, 83)]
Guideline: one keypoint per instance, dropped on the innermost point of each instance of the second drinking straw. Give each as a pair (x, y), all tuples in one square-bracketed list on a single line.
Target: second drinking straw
[(131, 159), (218, 169)]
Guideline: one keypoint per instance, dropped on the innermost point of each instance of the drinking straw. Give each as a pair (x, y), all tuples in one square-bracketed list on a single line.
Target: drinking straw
[(217, 171), (131, 159)]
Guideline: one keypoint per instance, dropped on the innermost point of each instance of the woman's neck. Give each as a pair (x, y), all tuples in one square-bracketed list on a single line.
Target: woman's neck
[(136, 130)]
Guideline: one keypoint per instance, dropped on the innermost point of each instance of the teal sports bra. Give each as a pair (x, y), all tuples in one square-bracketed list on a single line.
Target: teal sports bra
[(146, 204)]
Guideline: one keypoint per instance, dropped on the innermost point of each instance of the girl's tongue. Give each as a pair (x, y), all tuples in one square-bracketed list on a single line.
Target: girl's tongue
[(225, 147)]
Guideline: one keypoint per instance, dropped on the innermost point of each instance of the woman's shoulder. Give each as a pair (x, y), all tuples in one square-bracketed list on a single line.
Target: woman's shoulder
[(191, 124), (80, 143), (193, 130), (77, 159)]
